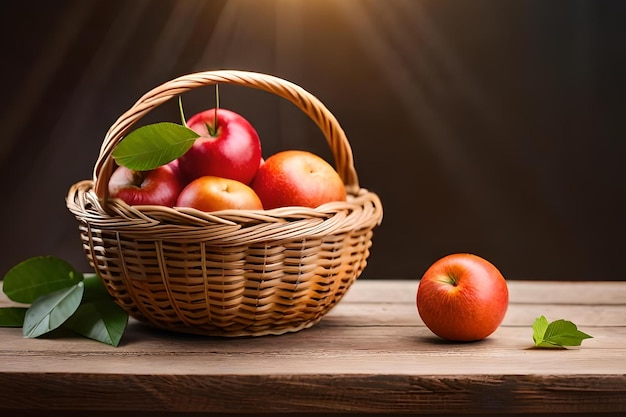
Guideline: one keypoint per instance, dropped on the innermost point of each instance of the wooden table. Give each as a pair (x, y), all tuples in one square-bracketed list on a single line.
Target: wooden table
[(370, 355)]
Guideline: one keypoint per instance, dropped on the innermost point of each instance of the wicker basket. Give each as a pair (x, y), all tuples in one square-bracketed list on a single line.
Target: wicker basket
[(233, 272)]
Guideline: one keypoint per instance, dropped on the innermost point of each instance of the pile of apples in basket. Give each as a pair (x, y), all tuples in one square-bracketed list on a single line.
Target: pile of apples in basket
[(217, 165)]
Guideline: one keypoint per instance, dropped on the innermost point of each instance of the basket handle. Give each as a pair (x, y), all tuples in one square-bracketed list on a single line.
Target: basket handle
[(304, 100)]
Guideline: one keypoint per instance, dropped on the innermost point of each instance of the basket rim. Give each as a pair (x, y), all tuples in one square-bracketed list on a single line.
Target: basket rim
[(226, 227)]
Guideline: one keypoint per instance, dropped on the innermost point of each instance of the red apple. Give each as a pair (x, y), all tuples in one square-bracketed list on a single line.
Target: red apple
[(159, 186), (228, 147), (210, 193), (297, 178), (462, 297)]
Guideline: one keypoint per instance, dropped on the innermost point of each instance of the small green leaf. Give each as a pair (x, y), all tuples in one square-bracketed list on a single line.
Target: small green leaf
[(558, 333), (12, 316), (539, 329), (151, 146), (98, 317), (38, 276), (52, 310), (564, 333)]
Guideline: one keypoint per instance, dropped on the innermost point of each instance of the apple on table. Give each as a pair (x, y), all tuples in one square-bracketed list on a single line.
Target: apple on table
[(462, 297)]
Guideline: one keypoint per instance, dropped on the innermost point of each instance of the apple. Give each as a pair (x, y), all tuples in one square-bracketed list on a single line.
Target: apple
[(159, 186), (211, 193), (228, 147), (462, 297), (297, 178)]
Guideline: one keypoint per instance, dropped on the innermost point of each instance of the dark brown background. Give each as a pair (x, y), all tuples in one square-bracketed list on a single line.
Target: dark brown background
[(487, 126)]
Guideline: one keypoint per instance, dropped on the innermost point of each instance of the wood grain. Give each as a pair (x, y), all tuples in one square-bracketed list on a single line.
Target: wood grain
[(370, 355)]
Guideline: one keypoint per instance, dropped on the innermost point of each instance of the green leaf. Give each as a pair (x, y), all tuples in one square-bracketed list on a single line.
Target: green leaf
[(558, 333), (38, 276), (564, 333), (52, 310), (539, 329), (12, 316), (98, 317), (151, 146)]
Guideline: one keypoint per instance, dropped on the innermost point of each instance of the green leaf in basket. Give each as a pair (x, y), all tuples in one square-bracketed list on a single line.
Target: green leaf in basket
[(49, 312), (151, 146), (12, 316), (98, 317), (38, 276)]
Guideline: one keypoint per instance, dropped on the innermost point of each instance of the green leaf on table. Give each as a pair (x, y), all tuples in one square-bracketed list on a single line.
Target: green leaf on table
[(52, 310), (38, 276), (557, 334), (98, 317), (12, 316), (151, 146), (539, 329)]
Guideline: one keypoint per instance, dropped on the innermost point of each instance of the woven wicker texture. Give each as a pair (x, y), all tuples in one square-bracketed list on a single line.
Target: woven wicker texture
[(232, 272)]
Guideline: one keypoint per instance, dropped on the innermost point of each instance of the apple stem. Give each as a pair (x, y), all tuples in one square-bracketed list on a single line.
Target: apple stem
[(214, 128), (217, 96), (448, 278), (182, 112), (138, 177), (217, 106), (452, 280)]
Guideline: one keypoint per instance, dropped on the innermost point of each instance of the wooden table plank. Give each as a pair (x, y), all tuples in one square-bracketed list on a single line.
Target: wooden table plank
[(371, 354), (393, 350)]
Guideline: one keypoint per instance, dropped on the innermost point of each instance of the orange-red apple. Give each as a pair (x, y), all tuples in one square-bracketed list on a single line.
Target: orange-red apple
[(297, 178), (210, 193), (462, 297)]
